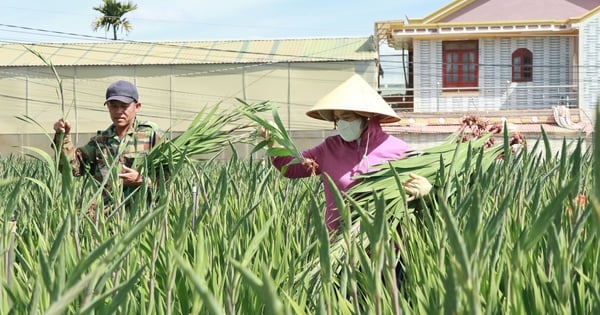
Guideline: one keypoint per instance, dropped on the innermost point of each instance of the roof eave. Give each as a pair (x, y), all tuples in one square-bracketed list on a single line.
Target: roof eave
[(402, 36)]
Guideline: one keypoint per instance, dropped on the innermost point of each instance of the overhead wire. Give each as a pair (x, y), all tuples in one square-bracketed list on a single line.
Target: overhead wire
[(291, 57)]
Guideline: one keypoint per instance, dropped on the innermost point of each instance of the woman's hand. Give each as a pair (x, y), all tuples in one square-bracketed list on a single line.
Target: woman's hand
[(417, 186), (263, 132)]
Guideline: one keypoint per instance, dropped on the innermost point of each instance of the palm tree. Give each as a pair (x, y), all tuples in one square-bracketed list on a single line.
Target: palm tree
[(113, 11)]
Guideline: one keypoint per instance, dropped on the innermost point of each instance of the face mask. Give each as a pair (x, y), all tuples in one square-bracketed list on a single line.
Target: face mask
[(350, 130)]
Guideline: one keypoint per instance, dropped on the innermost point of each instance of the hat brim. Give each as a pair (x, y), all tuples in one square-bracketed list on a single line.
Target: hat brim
[(327, 114), (356, 95), (123, 99)]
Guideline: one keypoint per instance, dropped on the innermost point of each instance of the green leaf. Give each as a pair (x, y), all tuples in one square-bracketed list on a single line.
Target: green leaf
[(213, 306), (545, 218)]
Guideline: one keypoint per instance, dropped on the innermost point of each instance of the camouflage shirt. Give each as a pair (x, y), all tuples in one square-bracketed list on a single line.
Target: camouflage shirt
[(99, 153)]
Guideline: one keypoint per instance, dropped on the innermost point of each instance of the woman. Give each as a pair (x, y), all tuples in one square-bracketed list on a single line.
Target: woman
[(357, 112)]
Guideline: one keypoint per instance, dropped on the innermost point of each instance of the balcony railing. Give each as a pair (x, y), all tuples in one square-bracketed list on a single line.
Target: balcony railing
[(509, 97)]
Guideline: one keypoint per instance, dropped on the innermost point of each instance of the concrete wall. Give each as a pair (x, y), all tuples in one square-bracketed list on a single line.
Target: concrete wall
[(171, 95)]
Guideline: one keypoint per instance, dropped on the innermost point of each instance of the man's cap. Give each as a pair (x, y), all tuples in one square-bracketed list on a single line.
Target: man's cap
[(354, 94), (122, 91)]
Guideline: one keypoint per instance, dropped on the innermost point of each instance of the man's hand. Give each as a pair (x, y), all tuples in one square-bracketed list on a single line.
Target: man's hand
[(130, 177), (62, 132), (62, 126), (417, 187)]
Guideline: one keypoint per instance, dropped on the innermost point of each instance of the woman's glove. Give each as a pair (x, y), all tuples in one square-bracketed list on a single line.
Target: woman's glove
[(416, 187), (263, 132)]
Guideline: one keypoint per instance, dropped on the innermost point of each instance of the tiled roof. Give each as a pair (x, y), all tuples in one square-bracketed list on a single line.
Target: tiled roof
[(511, 10)]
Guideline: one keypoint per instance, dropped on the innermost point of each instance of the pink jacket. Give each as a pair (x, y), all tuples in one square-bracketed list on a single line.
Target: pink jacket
[(343, 160)]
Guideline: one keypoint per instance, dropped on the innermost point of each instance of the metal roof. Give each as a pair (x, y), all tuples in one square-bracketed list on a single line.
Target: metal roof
[(193, 52)]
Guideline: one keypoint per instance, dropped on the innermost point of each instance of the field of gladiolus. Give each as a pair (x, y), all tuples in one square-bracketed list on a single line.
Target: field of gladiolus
[(514, 234)]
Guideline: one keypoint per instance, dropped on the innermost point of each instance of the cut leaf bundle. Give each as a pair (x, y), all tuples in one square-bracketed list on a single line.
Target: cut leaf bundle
[(277, 134), (208, 133), (437, 164)]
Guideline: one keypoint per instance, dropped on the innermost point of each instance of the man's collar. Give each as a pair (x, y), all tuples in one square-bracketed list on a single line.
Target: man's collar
[(130, 131)]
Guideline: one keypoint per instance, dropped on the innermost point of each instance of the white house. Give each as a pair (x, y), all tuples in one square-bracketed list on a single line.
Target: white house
[(500, 55)]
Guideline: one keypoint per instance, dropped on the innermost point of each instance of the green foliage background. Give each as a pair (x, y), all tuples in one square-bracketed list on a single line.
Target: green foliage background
[(235, 237)]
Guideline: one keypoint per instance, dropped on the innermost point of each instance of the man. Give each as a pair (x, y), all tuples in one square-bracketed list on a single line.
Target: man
[(126, 139)]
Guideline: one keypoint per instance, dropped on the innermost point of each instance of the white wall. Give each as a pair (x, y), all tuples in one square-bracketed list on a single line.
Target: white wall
[(589, 73), (551, 62)]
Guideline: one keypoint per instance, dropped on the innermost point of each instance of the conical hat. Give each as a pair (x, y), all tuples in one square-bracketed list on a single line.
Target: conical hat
[(354, 94)]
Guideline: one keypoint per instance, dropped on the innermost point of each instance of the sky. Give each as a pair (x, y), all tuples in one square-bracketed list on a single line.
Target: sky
[(189, 20)]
